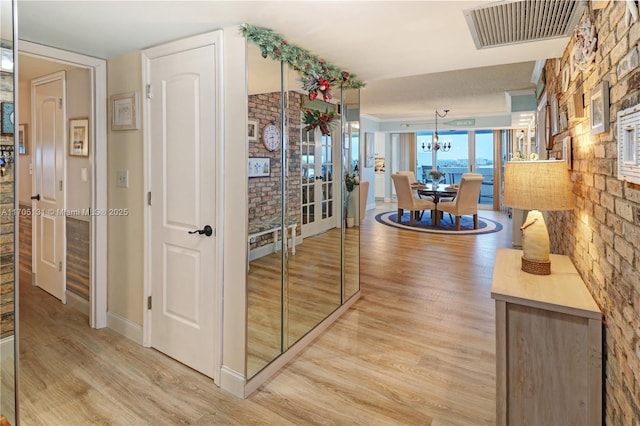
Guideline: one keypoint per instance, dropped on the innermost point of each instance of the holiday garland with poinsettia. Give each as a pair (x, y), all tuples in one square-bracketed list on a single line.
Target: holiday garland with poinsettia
[(314, 118), (317, 76)]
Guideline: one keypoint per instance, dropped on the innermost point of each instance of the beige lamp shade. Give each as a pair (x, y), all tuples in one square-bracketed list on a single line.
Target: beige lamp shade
[(537, 185)]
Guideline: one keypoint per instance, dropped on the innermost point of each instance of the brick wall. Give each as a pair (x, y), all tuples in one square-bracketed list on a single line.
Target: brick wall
[(265, 192), (602, 234), (7, 250)]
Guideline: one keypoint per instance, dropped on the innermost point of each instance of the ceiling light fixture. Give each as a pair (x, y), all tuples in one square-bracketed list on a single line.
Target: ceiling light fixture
[(435, 145)]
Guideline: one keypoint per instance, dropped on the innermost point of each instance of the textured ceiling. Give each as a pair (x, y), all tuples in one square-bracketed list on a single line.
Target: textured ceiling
[(415, 56)]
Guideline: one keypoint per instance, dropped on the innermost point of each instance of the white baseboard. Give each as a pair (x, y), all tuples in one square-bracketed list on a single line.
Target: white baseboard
[(232, 381), (78, 303), (371, 206), (123, 326)]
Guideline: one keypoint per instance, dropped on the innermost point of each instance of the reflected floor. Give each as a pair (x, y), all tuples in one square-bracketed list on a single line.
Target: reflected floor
[(311, 291)]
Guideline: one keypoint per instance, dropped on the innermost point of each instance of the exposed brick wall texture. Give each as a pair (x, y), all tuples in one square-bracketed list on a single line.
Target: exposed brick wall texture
[(265, 192), (7, 219), (602, 234)]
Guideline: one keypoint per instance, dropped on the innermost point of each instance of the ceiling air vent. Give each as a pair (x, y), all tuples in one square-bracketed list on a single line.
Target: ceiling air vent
[(510, 22)]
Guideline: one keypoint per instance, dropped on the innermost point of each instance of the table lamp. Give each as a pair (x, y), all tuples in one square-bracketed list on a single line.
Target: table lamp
[(535, 186)]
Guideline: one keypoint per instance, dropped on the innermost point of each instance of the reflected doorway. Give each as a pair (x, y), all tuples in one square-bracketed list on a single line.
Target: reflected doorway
[(319, 205)]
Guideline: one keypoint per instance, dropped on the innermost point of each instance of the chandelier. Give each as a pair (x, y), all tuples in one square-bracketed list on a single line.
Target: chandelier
[(435, 145)]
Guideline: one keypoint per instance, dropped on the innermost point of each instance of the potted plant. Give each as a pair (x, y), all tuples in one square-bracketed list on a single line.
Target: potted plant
[(351, 180), (436, 176)]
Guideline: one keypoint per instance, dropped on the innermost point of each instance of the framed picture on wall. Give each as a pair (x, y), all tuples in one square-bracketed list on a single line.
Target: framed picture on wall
[(599, 108), (566, 151), (8, 118), (23, 142), (259, 167), (555, 116), (252, 130), (124, 111), (79, 137)]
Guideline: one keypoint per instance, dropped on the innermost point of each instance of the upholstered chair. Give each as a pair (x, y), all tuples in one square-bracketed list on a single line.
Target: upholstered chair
[(406, 199), (466, 201), (364, 194)]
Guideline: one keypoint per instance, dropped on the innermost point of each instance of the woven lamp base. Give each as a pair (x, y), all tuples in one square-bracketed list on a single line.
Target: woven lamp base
[(536, 268)]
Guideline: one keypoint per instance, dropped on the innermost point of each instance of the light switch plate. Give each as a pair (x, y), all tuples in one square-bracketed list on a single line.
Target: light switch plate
[(122, 177), (84, 175)]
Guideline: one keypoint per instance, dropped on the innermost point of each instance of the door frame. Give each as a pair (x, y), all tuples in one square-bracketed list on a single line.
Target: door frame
[(202, 40), (98, 158)]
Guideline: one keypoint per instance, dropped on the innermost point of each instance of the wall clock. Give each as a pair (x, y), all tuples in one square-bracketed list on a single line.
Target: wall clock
[(271, 137)]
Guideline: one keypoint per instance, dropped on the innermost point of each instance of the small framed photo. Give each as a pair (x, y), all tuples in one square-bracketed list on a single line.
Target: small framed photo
[(23, 142), (79, 137), (8, 118), (566, 77), (124, 111), (555, 116), (599, 105), (259, 167), (566, 151), (252, 130)]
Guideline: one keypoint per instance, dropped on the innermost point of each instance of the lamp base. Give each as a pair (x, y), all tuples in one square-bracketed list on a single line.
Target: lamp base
[(536, 268)]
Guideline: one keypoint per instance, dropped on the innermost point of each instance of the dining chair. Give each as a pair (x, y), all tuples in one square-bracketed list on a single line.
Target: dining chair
[(466, 201), (364, 194), (406, 199), (411, 174)]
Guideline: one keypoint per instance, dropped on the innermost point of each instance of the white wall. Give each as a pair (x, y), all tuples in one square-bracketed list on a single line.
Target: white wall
[(78, 106), (125, 246), (235, 201)]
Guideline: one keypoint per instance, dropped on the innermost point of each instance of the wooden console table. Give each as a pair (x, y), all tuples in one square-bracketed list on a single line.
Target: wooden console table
[(548, 345)]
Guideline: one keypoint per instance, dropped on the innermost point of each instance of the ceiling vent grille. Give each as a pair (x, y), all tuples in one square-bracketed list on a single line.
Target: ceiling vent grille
[(511, 22)]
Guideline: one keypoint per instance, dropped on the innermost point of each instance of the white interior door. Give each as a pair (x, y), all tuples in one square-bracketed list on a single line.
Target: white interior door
[(320, 188), (49, 135), (183, 183)]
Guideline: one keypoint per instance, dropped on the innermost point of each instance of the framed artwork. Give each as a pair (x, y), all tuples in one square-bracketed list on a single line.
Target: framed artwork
[(566, 77), (252, 130), (555, 116), (79, 137), (124, 111), (8, 118), (566, 151), (599, 104), (259, 167), (23, 142), (369, 154)]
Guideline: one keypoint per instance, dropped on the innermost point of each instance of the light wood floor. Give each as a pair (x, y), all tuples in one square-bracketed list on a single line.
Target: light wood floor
[(417, 348)]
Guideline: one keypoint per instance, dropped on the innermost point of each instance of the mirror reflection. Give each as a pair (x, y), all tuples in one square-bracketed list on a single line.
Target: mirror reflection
[(356, 190), (265, 230), (312, 290), (302, 262), (7, 226)]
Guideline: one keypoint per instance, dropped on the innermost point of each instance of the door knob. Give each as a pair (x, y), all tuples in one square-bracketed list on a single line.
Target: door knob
[(36, 197), (207, 230)]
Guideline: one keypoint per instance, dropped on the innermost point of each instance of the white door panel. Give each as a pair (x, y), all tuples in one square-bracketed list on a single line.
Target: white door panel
[(183, 141), (49, 130)]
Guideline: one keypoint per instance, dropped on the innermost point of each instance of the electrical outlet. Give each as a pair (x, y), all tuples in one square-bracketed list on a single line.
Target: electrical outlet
[(122, 178)]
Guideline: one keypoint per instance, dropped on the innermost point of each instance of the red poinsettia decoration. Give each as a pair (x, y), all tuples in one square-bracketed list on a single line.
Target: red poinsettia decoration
[(317, 85), (314, 118)]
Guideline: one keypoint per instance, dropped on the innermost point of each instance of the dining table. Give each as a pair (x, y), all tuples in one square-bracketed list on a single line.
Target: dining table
[(436, 193)]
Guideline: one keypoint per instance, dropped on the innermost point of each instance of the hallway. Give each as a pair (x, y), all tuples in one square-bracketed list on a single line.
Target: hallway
[(417, 348)]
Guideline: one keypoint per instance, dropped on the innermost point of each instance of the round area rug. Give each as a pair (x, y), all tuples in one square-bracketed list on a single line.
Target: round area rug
[(485, 226)]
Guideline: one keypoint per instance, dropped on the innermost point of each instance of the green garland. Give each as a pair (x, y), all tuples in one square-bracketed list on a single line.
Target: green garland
[(273, 46)]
